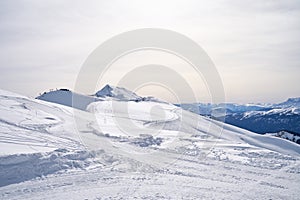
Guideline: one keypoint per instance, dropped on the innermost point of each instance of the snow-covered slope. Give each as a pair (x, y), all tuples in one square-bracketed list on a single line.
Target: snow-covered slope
[(136, 149), (68, 98), (29, 125), (295, 137)]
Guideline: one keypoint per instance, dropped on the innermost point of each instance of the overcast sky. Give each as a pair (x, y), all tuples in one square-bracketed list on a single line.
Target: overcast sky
[(255, 45)]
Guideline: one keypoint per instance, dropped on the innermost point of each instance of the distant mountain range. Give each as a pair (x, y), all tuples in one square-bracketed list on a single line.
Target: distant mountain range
[(259, 118)]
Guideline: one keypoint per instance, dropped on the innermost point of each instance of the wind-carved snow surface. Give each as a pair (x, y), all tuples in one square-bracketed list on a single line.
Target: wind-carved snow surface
[(124, 149)]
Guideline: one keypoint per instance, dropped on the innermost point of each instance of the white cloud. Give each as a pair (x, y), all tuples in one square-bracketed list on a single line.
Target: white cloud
[(46, 42)]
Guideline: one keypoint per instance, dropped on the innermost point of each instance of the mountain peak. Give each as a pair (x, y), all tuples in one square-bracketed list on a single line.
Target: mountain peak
[(105, 91), (291, 102), (107, 86), (117, 92), (294, 100)]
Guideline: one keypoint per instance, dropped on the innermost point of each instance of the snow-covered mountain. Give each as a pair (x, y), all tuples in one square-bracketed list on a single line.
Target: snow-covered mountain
[(291, 102), (72, 99), (259, 118), (136, 150), (117, 93), (208, 108), (274, 120)]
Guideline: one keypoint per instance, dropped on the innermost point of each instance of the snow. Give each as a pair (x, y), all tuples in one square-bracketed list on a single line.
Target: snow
[(292, 105), (27, 124), (208, 109), (291, 102), (135, 149), (117, 92), (287, 135), (259, 118), (68, 98), (280, 111)]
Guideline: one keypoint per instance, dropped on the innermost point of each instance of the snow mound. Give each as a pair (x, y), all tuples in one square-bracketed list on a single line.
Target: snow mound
[(68, 98), (21, 167)]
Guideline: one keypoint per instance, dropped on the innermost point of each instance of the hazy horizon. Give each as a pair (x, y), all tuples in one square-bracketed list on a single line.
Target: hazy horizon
[(254, 45)]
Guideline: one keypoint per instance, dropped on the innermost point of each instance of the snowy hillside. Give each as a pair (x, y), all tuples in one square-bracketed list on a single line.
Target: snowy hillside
[(135, 150), (68, 98), (295, 137)]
